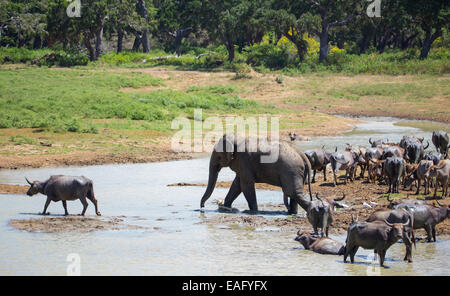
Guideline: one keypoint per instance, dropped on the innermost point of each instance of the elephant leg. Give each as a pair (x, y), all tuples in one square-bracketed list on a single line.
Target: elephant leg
[(429, 231), (233, 193), (433, 232), (248, 188), (293, 207)]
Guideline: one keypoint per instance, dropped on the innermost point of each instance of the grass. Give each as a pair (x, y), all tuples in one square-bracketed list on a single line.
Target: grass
[(68, 100)]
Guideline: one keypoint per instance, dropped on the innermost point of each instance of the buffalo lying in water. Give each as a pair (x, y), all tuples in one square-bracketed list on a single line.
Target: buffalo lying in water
[(321, 245)]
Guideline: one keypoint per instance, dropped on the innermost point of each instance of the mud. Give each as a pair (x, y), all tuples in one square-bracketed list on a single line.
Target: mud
[(72, 224), (357, 193)]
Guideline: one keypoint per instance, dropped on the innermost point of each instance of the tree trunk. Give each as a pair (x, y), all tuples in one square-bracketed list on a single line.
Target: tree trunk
[(323, 53), (119, 40), (429, 39), (87, 43), (179, 35), (364, 43), (145, 41), (230, 48), (37, 44), (142, 10), (137, 42), (227, 40), (98, 43)]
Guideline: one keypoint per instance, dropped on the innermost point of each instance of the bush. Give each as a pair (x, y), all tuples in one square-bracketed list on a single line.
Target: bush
[(267, 55)]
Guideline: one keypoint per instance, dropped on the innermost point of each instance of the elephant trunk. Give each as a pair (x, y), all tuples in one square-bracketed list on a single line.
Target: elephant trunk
[(214, 169)]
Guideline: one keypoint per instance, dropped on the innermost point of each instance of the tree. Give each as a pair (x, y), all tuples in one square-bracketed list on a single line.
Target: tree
[(432, 16), (22, 21), (333, 13), (146, 12), (123, 18), (176, 19), (290, 19)]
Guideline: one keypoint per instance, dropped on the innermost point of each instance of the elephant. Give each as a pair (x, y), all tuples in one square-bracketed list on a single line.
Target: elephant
[(289, 170)]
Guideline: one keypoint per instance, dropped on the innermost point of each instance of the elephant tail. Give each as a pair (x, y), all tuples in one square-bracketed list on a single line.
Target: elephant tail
[(308, 174)]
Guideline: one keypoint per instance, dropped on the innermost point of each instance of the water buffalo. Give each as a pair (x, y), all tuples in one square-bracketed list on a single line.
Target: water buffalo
[(410, 168), (319, 159), (393, 169), (321, 245), (320, 212), (413, 148), (420, 174), (434, 156), (442, 173), (398, 216), (360, 160), (440, 141), (411, 139), (377, 235), (396, 203), (373, 153), (64, 188), (391, 151), (343, 161), (376, 143), (375, 170), (427, 217)]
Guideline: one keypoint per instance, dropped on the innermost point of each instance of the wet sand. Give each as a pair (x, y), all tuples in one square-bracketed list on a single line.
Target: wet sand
[(72, 224)]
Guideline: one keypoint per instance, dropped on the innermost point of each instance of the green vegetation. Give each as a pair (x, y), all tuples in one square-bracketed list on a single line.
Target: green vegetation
[(63, 100), (390, 62), (426, 126)]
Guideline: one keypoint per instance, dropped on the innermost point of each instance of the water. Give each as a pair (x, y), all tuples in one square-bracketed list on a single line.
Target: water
[(180, 246)]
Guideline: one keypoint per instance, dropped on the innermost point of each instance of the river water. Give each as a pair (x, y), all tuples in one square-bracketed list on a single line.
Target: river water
[(179, 245)]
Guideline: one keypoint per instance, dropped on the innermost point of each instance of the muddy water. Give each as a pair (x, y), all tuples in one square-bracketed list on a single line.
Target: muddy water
[(175, 244)]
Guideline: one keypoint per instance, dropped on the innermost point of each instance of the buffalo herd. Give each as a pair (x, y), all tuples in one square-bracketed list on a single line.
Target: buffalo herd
[(396, 164)]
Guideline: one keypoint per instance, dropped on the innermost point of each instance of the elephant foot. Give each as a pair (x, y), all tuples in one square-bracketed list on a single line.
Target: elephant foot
[(227, 209), (98, 214)]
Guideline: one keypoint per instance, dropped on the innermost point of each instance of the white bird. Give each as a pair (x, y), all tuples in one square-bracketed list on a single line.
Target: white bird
[(367, 205), (373, 203)]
